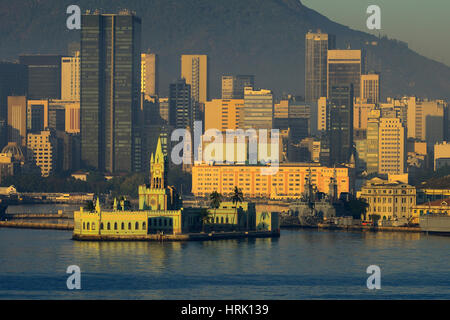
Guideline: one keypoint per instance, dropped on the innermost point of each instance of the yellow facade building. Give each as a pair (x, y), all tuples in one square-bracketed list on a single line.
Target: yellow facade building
[(390, 200), (287, 182), (194, 68), (223, 114), (42, 151)]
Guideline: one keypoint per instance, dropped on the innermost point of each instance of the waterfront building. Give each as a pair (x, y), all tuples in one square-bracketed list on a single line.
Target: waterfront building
[(233, 86), (317, 45), (441, 155), (149, 74), (344, 69), (42, 151), (44, 75), (161, 211), (258, 109), (70, 77), (389, 199), (437, 207), (223, 114), (370, 88), (17, 120), (110, 91), (288, 182)]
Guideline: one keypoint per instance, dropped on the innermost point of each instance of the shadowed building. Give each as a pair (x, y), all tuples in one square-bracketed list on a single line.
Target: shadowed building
[(110, 90)]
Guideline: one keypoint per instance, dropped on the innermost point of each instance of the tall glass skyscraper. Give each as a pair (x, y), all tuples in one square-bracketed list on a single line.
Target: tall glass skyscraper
[(341, 124), (344, 69), (317, 46), (110, 91), (180, 105)]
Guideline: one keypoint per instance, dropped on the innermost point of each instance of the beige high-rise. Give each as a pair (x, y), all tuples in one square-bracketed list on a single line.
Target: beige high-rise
[(194, 68), (149, 74), (17, 120), (70, 77), (392, 146), (370, 88)]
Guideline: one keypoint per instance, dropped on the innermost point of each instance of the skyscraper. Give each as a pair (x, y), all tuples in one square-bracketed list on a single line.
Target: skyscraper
[(258, 109), (370, 88), (392, 146), (70, 78), (17, 120), (317, 46), (180, 105), (344, 69), (44, 75), (341, 124), (110, 90), (149, 74), (233, 86), (194, 68)]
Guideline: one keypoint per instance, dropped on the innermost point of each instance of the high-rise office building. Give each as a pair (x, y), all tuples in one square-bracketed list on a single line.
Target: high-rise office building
[(370, 88), (373, 145), (322, 114), (17, 120), (13, 82), (43, 152), (344, 69), (70, 78), (164, 109), (110, 90), (233, 86), (258, 109), (223, 114), (57, 117), (194, 68), (341, 124), (392, 147), (180, 105), (149, 74), (44, 76), (37, 115), (317, 46)]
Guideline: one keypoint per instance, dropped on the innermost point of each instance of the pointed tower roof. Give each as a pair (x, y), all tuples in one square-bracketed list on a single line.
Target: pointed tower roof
[(97, 205), (159, 156)]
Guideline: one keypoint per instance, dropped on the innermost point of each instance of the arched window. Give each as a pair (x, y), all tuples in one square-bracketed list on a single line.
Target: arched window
[(115, 225), (129, 225), (108, 226), (84, 225), (143, 226), (221, 220), (123, 225), (137, 226), (88, 226), (93, 226), (101, 226), (217, 220), (227, 219)]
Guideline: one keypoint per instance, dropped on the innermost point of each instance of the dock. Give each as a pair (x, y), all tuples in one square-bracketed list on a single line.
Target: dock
[(36, 225), (181, 237), (359, 228)]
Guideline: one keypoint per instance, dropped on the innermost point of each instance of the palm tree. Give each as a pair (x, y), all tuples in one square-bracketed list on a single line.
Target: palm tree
[(215, 200), (237, 197), (204, 216), (89, 206)]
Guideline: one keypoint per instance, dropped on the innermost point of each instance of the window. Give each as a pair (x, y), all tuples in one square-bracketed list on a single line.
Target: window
[(101, 226), (122, 226), (143, 226), (129, 225), (108, 226), (137, 225), (88, 225), (115, 225)]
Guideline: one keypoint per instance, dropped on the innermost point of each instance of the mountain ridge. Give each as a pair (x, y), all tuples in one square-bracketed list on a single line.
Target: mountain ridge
[(261, 37)]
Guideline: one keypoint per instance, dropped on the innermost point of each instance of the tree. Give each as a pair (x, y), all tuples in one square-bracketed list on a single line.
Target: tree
[(236, 198), (89, 206), (375, 218), (215, 199), (357, 207), (204, 217)]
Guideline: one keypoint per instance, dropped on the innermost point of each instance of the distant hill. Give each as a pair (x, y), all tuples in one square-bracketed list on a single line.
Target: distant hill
[(261, 37)]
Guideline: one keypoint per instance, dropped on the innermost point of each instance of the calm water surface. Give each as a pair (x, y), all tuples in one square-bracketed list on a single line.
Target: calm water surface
[(302, 264)]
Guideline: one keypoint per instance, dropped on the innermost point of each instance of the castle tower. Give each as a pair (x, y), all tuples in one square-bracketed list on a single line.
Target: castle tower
[(158, 168)]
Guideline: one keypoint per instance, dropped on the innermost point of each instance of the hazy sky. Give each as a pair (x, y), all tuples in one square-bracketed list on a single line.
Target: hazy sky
[(423, 24)]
